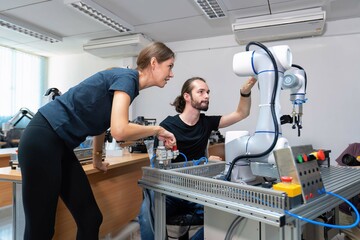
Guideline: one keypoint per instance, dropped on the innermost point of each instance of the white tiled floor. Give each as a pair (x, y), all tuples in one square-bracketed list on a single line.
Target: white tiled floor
[(131, 232), (5, 223)]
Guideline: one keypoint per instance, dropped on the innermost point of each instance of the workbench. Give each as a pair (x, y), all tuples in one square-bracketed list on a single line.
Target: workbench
[(116, 192), (261, 207), (6, 187)]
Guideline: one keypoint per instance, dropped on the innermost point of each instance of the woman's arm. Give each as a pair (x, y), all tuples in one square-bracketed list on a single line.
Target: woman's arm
[(98, 142), (122, 130)]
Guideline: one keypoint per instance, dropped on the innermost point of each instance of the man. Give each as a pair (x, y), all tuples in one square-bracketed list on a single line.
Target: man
[(192, 130)]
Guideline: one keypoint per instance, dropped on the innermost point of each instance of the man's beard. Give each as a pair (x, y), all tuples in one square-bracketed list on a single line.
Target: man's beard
[(199, 105)]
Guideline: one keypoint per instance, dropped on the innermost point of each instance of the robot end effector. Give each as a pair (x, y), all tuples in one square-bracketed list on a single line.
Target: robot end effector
[(295, 80)]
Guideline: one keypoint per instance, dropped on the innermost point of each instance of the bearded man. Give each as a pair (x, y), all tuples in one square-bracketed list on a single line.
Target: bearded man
[(192, 130)]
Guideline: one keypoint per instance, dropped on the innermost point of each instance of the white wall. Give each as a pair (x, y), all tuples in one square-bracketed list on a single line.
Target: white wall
[(331, 114), (67, 71), (331, 62)]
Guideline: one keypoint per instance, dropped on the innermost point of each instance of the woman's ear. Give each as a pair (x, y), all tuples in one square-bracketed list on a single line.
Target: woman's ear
[(153, 62)]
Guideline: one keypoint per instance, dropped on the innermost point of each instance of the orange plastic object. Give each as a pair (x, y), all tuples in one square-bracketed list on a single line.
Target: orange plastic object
[(319, 155)]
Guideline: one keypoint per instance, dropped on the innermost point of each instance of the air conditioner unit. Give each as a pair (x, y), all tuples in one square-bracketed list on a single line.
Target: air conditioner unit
[(294, 24), (121, 46)]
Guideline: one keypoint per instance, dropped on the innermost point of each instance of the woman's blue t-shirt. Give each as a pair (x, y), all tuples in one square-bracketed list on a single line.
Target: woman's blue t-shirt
[(85, 109)]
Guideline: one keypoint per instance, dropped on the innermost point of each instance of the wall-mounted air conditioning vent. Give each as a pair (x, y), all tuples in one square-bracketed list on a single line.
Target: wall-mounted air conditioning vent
[(295, 24), (121, 46)]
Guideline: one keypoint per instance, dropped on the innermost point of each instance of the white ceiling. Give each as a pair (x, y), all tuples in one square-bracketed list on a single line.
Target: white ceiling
[(161, 20)]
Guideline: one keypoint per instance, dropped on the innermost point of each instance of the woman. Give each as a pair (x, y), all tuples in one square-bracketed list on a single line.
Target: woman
[(47, 161)]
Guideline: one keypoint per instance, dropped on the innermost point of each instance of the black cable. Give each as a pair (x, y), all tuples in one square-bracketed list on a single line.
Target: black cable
[(273, 113)]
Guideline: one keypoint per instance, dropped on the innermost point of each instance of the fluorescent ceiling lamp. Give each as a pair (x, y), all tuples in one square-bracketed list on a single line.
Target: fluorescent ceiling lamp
[(102, 15), (294, 24), (212, 8), (28, 29)]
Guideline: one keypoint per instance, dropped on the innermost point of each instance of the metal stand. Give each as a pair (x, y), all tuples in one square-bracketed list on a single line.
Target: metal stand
[(264, 207)]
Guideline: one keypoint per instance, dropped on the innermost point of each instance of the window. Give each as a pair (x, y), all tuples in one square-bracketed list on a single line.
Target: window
[(22, 82)]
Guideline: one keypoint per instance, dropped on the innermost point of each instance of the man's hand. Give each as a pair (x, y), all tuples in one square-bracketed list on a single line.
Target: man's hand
[(246, 88)]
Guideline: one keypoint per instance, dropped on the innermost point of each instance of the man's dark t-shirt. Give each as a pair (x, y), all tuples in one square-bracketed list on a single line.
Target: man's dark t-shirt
[(191, 140)]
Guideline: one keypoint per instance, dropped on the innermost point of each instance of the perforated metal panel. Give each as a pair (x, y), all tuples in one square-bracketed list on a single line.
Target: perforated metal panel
[(199, 179), (307, 174)]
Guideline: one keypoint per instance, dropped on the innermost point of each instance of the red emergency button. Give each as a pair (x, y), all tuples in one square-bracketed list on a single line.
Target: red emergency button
[(286, 179)]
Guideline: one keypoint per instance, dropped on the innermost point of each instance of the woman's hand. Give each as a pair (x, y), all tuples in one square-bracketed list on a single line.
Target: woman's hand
[(99, 164), (216, 158), (167, 137)]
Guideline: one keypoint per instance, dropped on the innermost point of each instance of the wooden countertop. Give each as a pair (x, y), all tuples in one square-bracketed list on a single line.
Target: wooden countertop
[(117, 193), (115, 162), (6, 152), (7, 174)]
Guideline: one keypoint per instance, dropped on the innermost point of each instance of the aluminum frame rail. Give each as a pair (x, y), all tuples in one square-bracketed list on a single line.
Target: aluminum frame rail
[(194, 184)]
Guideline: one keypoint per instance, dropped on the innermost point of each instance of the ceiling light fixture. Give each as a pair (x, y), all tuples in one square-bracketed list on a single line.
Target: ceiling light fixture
[(95, 11), (212, 8), (28, 29)]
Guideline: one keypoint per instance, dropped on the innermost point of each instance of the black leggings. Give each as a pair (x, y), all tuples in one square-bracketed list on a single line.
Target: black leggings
[(50, 169)]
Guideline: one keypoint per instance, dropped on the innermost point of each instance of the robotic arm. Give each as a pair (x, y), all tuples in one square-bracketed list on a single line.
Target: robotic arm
[(23, 112), (252, 154), (52, 93)]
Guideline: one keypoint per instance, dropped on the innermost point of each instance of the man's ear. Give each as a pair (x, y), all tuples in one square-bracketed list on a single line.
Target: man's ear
[(186, 96)]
